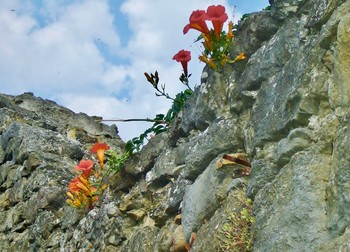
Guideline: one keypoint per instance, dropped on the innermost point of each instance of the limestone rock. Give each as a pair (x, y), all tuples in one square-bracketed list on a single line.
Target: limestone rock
[(337, 194), (286, 106), (282, 9), (341, 86), (144, 161), (212, 236), (222, 136), (179, 242), (203, 197), (252, 32), (36, 160), (176, 194), (142, 240), (300, 187)]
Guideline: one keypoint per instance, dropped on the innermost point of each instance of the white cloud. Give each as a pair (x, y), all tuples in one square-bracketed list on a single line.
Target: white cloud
[(60, 56), (114, 74)]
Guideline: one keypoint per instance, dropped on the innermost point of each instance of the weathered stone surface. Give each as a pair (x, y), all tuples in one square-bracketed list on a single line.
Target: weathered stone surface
[(142, 240), (222, 136), (263, 172), (165, 168), (321, 11), (203, 197), (252, 32), (214, 92), (176, 194), (38, 153), (286, 106), (300, 188), (144, 161), (297, 140), (212, 236), (281, 9), (340, 243), (341, 86), (178, 242), (338, 194), (165, 237)]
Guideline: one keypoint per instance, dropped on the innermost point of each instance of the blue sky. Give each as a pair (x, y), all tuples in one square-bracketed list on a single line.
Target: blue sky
[(90, 55)]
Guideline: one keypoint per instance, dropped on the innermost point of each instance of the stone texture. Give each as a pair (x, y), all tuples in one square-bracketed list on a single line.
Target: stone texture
[(38, 153), (176, 194), (300, 189), (286, 106), (214, 93), (203, 197), (341, 86), (221, 136), (142, 240), (165, 168), (252, 32), (281, 9), (337, 193), (143, 162), (211, 235)]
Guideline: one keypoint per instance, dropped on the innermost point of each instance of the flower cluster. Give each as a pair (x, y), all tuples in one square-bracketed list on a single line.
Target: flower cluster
[(85, 188), (217, 43)]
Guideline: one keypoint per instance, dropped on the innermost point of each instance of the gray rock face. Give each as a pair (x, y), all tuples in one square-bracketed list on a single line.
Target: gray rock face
[(221, 136), (300, 188), (142, 163), (253, 31), (281, 9), (203, 197), (40, 143), (286, 107), (336, 192)]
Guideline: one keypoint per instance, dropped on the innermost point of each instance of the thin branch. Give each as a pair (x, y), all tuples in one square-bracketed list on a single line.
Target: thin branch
[(133, 120)]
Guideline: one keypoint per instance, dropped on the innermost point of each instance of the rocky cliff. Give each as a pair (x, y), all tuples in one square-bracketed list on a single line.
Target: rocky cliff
[(286, 108)]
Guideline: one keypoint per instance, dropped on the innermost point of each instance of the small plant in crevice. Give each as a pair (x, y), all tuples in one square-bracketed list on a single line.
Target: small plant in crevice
[(267, 8), (235, 234), (81, 192), (244, 16), (115, 161), (86, 188)]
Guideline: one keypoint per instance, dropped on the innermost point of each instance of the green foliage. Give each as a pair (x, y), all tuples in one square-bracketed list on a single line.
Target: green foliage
[(161, 121), (236, 231), (115, 162), (178, 103), (135, 144)]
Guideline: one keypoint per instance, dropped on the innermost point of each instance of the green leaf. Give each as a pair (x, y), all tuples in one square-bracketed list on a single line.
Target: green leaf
[(199, 38)]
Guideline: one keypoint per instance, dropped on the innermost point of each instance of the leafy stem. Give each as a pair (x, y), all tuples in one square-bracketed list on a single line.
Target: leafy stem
[(154, 80), (161, 121)]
